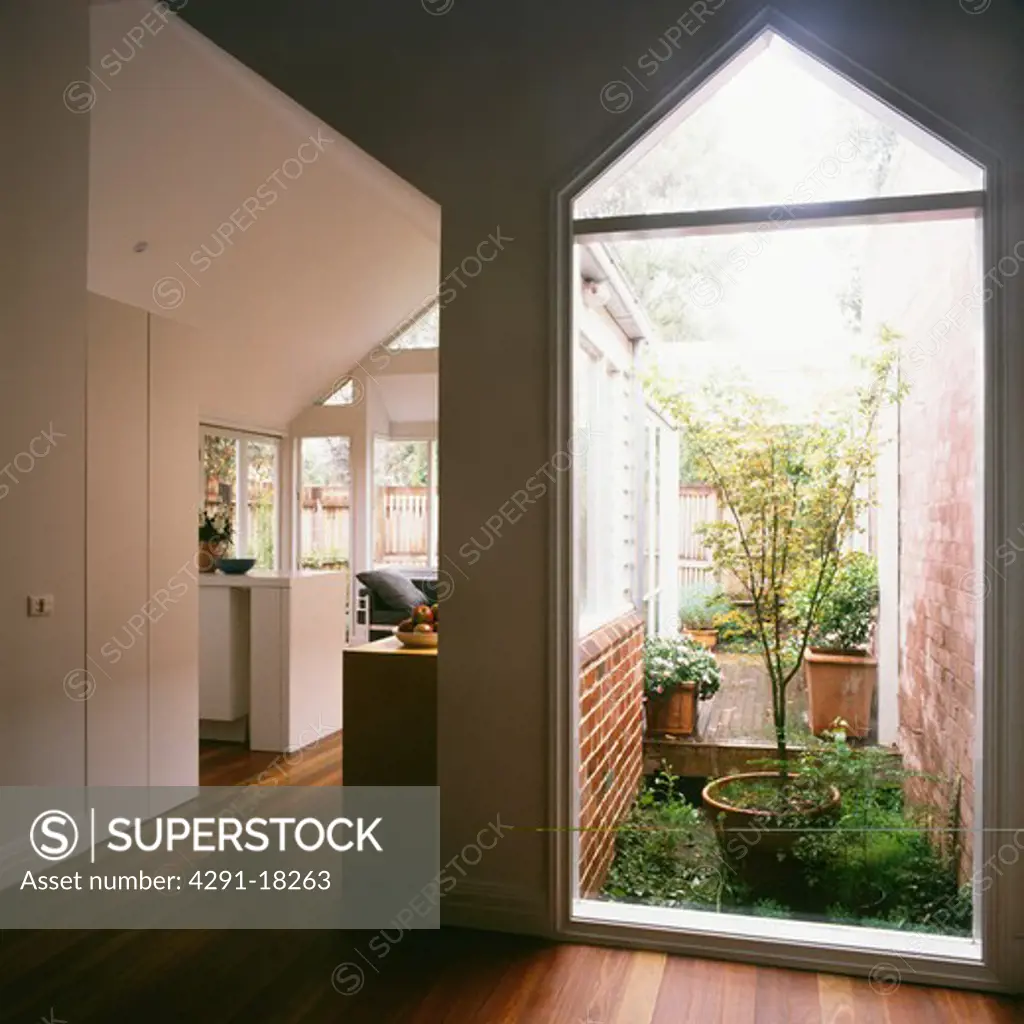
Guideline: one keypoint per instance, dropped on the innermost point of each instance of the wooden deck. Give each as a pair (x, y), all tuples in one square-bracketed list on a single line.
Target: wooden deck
[(734, 728)]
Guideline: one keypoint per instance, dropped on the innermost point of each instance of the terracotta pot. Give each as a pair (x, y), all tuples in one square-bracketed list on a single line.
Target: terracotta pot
[(750, 835), (209, 552), (674, 712), (707, 638), (840, 686)]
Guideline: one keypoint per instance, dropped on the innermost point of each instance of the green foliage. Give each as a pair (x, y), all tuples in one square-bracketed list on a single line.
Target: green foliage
[(220, 457), (737, 630), (768, 907), (665, 853), (700, 604), (261, 529), (332, 559), (877, 860), (791, 493), (670, 662), (874, 864), (789, 798), (845, 617)]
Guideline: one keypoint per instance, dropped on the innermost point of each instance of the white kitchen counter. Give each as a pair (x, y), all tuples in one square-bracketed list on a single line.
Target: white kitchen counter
[(271, 646), (262, 578)]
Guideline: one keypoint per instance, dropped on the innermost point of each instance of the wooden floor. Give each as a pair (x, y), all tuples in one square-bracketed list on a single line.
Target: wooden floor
[(452, 976), (233, 764)]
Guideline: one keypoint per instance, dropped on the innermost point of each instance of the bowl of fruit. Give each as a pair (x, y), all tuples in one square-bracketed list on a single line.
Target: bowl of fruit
[(420, 629)]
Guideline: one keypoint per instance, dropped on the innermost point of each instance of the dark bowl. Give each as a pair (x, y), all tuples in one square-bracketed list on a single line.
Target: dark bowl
[(235, 566)]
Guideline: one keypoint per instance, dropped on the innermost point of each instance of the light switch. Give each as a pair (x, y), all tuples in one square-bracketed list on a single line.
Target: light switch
[(40, 605)]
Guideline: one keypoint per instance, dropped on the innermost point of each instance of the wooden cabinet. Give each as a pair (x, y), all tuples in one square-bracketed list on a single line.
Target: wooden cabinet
[(390, 714)]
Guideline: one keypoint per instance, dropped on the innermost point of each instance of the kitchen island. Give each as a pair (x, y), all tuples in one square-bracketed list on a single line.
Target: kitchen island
[(391, 710)]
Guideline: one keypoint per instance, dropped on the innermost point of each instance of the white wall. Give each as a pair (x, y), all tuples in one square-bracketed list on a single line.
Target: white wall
[(44, 183), (142, 596), (117, 543), (174, 365)]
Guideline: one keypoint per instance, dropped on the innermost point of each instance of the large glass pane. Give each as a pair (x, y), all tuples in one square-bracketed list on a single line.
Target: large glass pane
[(261, 542), (774, 128), (325, 503), (401, 533), (842, 607), (220, 471), (435, 498)]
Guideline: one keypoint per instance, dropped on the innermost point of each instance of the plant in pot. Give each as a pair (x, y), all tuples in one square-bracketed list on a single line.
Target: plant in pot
[(215, 532), (791, 491), (838, 665), (677, 673), (699, 607)]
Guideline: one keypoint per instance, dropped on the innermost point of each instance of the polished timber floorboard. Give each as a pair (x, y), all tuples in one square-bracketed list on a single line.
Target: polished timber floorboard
[(233, 764), (452, 976)]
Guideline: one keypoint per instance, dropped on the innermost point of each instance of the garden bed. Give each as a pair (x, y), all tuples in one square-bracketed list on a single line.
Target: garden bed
[(873, 865)]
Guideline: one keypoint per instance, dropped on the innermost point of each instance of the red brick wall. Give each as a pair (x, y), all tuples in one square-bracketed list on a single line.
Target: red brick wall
[(611, 740), (939, 582)]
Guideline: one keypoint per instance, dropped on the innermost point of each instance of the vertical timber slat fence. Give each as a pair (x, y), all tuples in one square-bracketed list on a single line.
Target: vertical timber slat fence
[(698, 503), (402, 529)]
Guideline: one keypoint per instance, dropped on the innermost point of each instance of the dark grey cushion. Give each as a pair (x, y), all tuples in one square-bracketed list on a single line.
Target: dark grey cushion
[(392, 590)]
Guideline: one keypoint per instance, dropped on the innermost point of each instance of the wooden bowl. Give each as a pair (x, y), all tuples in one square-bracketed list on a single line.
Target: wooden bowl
[(418, 639)]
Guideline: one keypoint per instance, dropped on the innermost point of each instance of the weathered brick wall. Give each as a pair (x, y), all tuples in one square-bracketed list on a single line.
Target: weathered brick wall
[(939, 584), (611, 740)]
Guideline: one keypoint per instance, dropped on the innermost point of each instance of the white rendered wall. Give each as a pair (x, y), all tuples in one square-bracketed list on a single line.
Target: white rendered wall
[(44, 196), (142, 599)]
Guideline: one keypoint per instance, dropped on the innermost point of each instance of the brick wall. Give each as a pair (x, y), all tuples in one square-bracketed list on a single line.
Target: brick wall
[(611, 740), (921, 280), (938, 580)]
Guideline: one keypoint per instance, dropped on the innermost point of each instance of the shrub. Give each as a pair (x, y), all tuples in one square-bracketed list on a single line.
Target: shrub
[(665, 854), (876, 861), (845, 617), (670, 662), (700, 604), (872, 866), (737, 630)]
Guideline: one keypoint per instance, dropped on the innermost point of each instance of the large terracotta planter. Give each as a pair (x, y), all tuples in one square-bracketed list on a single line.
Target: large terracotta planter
[(751, 836), (673, 713), (840, 686), (707, 638)]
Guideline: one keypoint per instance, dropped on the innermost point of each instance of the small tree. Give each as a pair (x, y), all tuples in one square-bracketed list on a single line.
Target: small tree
[(792, 494)]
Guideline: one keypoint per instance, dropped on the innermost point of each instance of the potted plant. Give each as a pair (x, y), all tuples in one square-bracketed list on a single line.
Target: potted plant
[(791, 493), (838, 665), (699, 606), (677, 673), (215, 532)]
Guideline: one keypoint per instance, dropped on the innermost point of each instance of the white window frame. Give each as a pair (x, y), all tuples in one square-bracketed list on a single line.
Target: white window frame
[(433, 494), (241, 507), (296, 500), (806, 945)]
